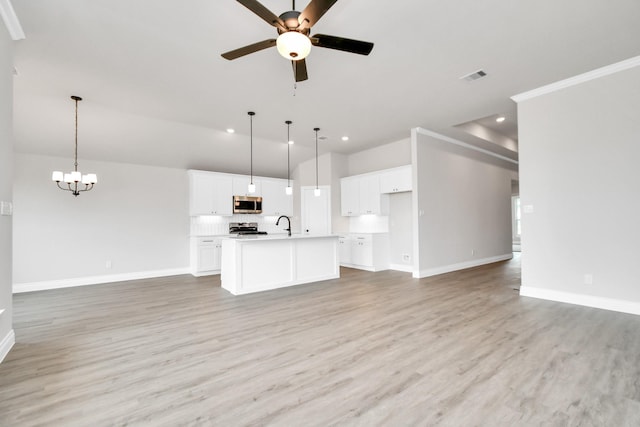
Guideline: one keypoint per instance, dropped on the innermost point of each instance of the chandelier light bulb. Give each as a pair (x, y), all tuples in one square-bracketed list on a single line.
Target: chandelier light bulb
[(251, 188), (288, 190), (316, 192), (293, 45)]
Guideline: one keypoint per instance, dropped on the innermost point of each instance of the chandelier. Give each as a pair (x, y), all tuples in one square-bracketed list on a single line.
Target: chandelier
[(74, 180)]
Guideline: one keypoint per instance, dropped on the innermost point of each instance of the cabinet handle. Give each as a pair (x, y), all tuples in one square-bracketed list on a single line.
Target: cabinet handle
[(207, 241)]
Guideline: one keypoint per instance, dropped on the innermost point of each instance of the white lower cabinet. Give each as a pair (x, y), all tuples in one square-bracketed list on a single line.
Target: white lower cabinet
[(366, 251), (344, 249), (206, 254)]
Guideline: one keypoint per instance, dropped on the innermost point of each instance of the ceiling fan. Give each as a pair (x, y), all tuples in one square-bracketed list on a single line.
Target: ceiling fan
[(293, 41)]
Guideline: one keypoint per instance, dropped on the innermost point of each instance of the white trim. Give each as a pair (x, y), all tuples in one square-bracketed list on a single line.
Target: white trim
[(460, 266), (463, 144), (95, 280), (580, 78), (401, 267), (11, 20), (372, 269), (622, 306), (7, 342)]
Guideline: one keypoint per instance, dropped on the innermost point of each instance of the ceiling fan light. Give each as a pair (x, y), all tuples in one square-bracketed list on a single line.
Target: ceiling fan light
[(293, 45)]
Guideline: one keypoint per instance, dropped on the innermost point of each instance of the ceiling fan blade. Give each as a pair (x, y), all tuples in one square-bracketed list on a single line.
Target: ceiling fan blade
[(237, 53), (340, 43), (313, 12), (264, 13), (300, 70)]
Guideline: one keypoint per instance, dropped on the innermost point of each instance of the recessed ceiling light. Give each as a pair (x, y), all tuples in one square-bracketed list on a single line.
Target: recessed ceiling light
[(231, 130), (500, 119), (345, 138)]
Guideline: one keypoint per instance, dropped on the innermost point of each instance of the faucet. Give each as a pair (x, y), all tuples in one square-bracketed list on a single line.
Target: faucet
[(288, 221)]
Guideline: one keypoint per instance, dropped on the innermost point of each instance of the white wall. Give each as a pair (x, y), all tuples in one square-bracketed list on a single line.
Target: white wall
[(385, 156), (6, 166), (401, 231), (465, 198), (137, 217), (580, 148)]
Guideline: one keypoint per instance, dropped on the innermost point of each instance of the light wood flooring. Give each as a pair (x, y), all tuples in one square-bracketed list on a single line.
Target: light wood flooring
[(368, 349)]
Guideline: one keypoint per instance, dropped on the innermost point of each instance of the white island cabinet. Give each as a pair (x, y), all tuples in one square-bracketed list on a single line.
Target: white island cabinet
[(259, 263)]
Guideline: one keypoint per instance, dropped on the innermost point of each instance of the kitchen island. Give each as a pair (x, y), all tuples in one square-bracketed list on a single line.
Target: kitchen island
[(259, 263)]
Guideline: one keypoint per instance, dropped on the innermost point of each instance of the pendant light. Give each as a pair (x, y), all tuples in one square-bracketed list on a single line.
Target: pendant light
[(252, 188), (288, 190), (316, 192), (74, 178)]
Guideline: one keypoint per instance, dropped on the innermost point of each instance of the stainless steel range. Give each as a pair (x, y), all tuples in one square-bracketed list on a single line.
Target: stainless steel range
[(244, 228)]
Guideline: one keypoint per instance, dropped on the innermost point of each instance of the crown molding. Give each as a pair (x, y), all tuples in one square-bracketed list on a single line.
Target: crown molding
[(11, 20), (580, 78)]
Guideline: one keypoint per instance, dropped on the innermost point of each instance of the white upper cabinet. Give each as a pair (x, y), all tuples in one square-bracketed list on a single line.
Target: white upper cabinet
[(209, 194), (363, 194), (274, 199), (241, 186), (370, 195), (396, 180), (350, 196)]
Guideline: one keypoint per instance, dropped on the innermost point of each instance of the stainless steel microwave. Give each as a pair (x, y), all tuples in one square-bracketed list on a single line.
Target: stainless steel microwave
[(247, 205)]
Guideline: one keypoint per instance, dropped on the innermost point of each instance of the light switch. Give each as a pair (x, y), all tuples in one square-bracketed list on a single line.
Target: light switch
[(6, 208), (527, 208)]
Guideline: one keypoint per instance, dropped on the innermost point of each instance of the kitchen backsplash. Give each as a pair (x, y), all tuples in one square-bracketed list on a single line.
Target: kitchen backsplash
[(219, 225)]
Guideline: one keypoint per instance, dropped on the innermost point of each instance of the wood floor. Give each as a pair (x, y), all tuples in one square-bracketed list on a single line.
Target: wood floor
[(369, 349)]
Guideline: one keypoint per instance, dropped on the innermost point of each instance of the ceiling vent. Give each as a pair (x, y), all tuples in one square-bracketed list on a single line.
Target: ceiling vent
[(474, 76)]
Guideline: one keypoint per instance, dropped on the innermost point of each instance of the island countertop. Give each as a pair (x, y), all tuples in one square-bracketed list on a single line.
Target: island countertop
[(279, 236), (254, 263)]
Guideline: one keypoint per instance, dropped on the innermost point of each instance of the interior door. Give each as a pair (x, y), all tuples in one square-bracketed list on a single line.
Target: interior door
[(316, 210)]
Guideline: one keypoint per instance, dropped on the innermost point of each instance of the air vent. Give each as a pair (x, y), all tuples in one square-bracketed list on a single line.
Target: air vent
[(474, 76)]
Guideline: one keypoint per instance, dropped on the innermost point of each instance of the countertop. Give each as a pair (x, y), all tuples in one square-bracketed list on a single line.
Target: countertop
[(254, 237)]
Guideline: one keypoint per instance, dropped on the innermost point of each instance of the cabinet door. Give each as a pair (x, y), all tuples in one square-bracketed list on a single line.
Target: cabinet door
[(396, 180), (274, 199), (350, 196), (362, 252), (222, 195), (208, 257), (241, 186), (200, 194), (209, 194), (344, 248), (370, 195)]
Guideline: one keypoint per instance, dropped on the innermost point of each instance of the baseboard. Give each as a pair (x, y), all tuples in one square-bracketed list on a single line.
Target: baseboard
[(5, 345), (460, 266), (401, 267), (96, 280), (581, 299)]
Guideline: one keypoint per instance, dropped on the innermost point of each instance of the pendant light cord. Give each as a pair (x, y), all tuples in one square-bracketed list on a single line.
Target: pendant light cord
[(288, 122), (316, 130), (76, 136), (251, 114)]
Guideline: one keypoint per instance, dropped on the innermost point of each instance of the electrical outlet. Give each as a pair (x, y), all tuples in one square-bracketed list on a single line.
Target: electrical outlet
[(473, 251), (108, 264), (588, 279), (406, 257)]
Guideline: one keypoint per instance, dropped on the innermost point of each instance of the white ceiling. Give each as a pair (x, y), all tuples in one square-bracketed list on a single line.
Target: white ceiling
[(157, 91)]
